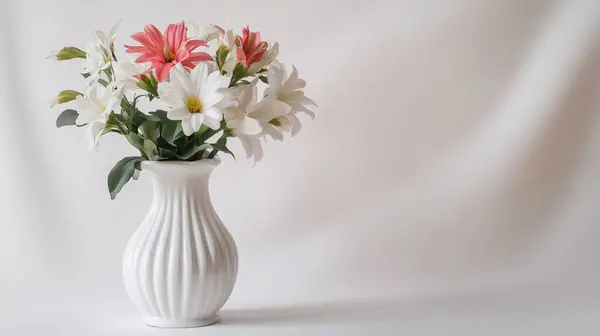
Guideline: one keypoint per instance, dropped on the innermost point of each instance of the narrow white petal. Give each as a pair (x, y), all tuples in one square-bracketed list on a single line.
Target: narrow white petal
[(210, 84), (244, 96), (212, 99), (302, 108), (211, 123), (252, 146), (179, 113), (186, 126), (249, 126), (196, 121), (95, 130), (296, 124), (289, 83), (247, 144), (257, 148), (273, 131), (83, 119), (272, 110), (229, 98), (167, 95), (298, 97), (213, 113), (181, 82), (113, 32), (199, 74)]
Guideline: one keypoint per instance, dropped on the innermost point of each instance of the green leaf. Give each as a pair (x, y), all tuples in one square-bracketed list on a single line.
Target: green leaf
[(66, 118), (121, 174), (204, 134), (167, 154), (150, 130), (239, 72), (264, 79), (149, 149), (195, 150), (126, 107), (172, 131), (162, 115), (136, 140), (150, 117), (68, 53), (221, 56), (103, 82), (86, 75), (221, 148), (262, 70), (243, 82)]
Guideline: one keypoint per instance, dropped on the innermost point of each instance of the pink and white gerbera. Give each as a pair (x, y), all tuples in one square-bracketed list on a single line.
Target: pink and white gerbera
[(165, 51)]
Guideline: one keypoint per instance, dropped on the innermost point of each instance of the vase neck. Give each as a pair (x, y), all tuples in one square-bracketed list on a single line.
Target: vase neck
[(189, 178)]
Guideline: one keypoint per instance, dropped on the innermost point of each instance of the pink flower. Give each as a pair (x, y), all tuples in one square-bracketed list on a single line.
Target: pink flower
[(163, 52), (250, 49)]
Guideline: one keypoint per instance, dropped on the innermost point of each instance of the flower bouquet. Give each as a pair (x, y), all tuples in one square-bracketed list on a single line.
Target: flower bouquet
[(179, 100), (204, 83)]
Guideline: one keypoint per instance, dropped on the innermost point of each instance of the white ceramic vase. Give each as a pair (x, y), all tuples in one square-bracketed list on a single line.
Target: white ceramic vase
[(181, 263)]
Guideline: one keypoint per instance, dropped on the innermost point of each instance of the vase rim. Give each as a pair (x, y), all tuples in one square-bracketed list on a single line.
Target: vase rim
[(175, 164)]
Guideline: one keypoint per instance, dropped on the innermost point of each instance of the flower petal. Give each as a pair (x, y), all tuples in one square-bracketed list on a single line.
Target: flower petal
[(271, 110), (273, 131), (210, 85), (196, 121), (154, 36), (163, 71), (199, 57), (213, 99), (211, 122), (296, 124), (186, 126), (182, 83), (213, 113), (249, 126), (95, 130), (190, 45), (179, 113), (180, 35)]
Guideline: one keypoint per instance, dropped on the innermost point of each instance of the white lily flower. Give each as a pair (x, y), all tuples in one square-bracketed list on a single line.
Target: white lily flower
[(194, 98), (125, 72), (251, 120), (247, 117), (99, 53), (286, 98), (206, 32), (227, 39), (94, 107)]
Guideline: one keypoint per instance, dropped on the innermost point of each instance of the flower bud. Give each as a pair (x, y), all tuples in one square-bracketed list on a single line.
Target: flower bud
[(65, 96), (68, 53)]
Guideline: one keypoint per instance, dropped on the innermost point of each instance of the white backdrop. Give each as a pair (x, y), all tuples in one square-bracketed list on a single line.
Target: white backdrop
[(456, 152)]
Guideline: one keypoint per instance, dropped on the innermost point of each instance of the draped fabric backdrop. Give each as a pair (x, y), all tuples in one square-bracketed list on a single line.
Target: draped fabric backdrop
[(450, 184)]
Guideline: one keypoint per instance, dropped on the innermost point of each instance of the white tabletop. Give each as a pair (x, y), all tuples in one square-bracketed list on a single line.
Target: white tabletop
[(512, 313)]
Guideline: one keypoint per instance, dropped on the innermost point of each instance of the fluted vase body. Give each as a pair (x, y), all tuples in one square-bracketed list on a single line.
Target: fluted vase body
[(181, 263)]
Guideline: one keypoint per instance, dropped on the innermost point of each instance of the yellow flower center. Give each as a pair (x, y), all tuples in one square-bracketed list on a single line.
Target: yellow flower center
[(194, 105)]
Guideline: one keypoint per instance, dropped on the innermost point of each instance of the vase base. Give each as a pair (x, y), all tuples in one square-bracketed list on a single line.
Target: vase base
[(160, 322)]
